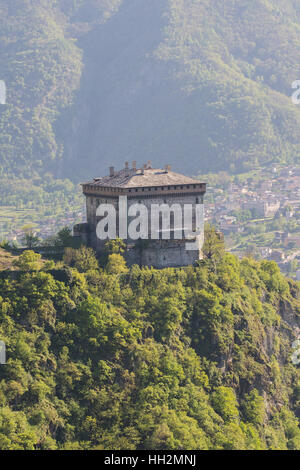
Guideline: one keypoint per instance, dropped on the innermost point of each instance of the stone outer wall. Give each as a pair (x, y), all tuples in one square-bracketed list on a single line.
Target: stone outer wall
[(162, 254)]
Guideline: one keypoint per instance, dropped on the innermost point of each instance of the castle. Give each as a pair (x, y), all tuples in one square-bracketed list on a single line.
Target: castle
[(148, 186)]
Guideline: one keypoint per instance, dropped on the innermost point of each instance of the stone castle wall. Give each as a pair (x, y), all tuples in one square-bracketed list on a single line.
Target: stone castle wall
[(156, 253)]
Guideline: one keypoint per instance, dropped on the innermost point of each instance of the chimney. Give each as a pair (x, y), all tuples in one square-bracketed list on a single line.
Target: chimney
[(134, 165), (111, 171), (143, 169), (126, 169), (149, 164), (168, 168)]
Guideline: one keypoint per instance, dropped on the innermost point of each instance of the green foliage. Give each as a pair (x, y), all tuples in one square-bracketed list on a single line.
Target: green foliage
[(149, 359), (65, 237), (213, 247), (15, 432), (30, 239), (28, 261), (226, 60), (41, 67), (83, 259), (116, 246), (225, 403), (116, 264), (254, 408)]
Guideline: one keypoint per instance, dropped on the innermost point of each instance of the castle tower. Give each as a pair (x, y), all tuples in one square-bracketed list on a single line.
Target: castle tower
[(148, 186)]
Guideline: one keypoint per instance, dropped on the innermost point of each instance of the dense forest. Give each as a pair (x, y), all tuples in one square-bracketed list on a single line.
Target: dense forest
[(106, 357), (94, 82)]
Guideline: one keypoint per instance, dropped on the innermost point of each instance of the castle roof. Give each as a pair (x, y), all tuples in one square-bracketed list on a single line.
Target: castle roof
[(147, 177)]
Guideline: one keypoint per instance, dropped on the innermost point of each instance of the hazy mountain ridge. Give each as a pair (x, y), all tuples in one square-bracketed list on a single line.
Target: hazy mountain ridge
[(202, 85)]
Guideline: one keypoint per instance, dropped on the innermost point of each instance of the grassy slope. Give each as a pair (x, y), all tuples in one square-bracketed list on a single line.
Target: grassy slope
[(6, 260)]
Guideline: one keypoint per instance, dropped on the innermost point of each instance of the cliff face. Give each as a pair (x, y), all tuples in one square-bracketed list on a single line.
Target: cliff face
[(270, 345), (250, 333)]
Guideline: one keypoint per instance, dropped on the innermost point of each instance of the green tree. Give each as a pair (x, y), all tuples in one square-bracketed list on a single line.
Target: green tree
[(28, 261), (213, 248), (225, 403), (116, 246), (65, 237), (254, 408), (30, 239), (83, 259), (116, 264)]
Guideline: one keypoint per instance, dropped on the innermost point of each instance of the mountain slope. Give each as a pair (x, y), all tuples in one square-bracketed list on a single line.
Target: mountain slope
[(179, 359), (204, 85)]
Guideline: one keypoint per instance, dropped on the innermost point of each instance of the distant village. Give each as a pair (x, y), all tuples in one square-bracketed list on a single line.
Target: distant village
[(260, 215)]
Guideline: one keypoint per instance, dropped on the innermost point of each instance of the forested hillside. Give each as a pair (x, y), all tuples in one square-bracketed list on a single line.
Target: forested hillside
[(100, 356), (94, 82), (195, 358)]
